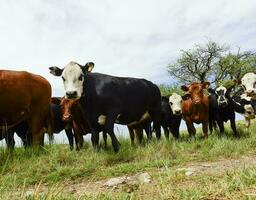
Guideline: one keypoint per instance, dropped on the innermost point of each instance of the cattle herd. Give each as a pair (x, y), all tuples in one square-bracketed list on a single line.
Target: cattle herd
[(94, 102)]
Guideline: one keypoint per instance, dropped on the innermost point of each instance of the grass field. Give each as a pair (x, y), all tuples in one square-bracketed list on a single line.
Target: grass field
[(224, 168)]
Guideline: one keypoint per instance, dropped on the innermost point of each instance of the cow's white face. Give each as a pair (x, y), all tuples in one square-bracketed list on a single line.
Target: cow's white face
[(175, 101), (221, 96), (73, 79), (73, 75), (249, 82)]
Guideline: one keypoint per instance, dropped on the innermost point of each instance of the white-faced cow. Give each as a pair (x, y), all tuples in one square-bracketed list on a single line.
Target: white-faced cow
[(249, 83), (171, 115), (119, 99)]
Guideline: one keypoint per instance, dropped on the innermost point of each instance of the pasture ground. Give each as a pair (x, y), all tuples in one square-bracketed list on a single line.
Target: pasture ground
[(220, 167)]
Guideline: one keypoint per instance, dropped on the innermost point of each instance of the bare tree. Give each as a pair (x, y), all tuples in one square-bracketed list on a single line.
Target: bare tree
[(212, 62), (197, 64)]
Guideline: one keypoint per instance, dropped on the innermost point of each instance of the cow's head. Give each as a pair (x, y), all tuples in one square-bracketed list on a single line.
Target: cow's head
[(222, 94), (196, 91), (73, 75), (68, 107), (249, 83), (175, 101)]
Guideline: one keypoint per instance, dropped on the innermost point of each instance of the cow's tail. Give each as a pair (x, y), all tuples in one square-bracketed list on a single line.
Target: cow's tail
[(49, 125)]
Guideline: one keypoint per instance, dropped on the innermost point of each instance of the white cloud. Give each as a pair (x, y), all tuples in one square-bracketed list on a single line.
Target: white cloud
[(125, 38)]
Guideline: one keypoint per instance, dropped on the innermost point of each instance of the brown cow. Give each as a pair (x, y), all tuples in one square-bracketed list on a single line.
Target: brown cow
[(195, 108), (72, 112), (25, 96)]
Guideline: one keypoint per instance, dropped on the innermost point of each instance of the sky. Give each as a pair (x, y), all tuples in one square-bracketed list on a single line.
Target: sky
[(135, 38)]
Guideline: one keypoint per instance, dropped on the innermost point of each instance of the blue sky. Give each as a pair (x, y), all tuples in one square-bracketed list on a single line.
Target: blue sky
[(136, 38)]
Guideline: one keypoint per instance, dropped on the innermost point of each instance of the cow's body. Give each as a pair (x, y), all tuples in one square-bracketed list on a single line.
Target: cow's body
[(25, 96), (246, 106), (170, 120), (221, 109), (121, 100), (195, 108)]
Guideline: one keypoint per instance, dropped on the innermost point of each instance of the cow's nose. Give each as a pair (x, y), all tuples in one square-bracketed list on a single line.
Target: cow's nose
[(66, 117), (177, 112), (71, 94)]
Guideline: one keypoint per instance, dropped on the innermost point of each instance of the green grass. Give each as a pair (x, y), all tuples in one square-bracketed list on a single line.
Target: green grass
[(56, 165)]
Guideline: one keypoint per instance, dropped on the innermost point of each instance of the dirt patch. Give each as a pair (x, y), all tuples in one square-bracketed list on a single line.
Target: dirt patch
[(218, 167), (129, 184)]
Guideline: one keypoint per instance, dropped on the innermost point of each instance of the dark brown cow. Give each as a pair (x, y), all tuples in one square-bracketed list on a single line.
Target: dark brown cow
[(195, 108), (25, 96)]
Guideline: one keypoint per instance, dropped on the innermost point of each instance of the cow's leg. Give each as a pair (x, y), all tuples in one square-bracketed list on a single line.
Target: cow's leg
[(156, 118), (148, 131), (175, 128), (79, 140), (9, 138), (109, 127), (191, 129), (70, 137), (166, 132), (132, 135), (210, 125), (95, 138), (247, 122), (175, 132), (36, 124), (157, 128), (105, 138), (139, 135), (233, 126), (205, 129), (221, 126)]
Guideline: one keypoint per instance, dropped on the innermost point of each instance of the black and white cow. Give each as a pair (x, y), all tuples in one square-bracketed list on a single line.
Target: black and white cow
[(249, 83), (171, 115), (221, 109), (119, 99), (247, 106)]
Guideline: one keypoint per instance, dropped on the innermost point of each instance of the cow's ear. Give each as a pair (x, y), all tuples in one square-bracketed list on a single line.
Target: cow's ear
[(238, 81), (186, 97), (206, 85), (55, 71), (184, 88), (89, 67), (211, 91), (56, 100)]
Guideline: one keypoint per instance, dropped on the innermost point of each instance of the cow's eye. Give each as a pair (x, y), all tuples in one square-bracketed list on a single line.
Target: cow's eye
[(171, 103), (80, 78), (63, 79)]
